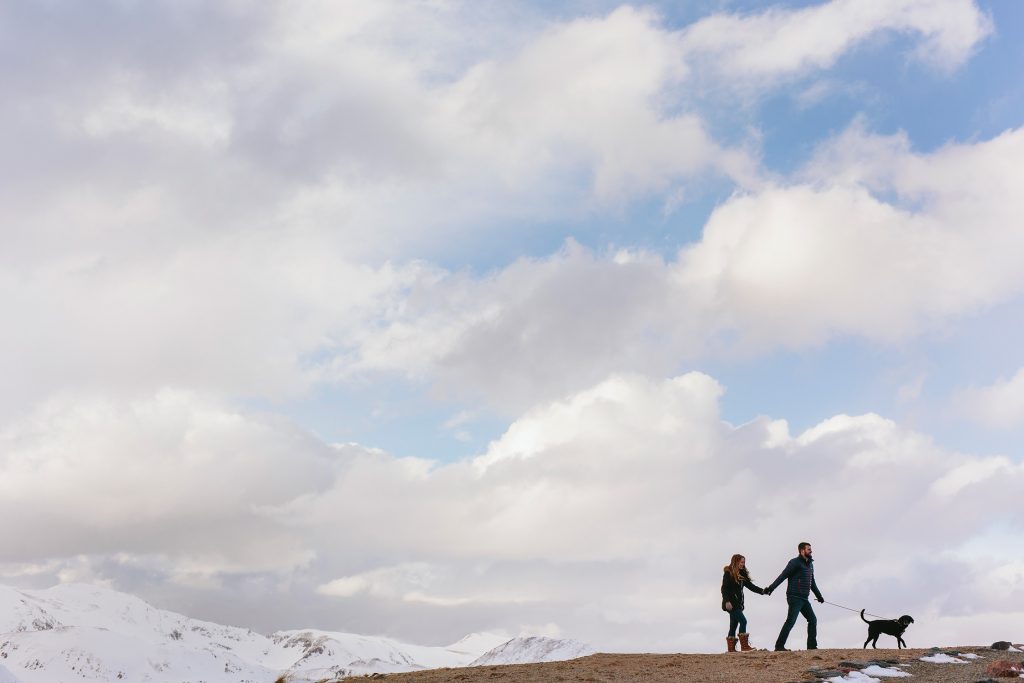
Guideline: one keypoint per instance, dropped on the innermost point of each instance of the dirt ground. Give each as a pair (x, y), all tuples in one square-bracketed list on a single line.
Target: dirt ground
[(750, 667)]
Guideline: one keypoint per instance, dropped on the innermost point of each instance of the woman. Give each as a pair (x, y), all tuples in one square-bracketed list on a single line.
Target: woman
[(735, 578)]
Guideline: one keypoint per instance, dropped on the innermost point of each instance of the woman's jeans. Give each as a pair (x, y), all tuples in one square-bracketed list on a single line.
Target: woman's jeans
[(799, 606), (736, 618)]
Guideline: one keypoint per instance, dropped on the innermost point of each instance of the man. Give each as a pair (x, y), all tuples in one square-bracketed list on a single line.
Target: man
[(800, 573)]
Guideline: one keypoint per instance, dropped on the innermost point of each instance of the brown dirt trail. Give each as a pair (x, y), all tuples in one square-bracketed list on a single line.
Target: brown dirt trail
[(749, 667)]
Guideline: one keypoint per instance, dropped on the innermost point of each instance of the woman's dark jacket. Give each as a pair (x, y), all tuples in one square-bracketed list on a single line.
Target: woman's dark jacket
[(733, 591)]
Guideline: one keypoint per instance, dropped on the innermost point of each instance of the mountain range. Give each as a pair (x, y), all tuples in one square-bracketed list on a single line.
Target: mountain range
[(83, 632)]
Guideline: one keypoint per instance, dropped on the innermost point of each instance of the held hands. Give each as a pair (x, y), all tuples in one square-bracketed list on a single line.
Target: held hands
[(767, 591)]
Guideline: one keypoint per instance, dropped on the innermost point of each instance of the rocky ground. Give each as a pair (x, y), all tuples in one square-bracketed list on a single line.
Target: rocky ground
[(749, 667)]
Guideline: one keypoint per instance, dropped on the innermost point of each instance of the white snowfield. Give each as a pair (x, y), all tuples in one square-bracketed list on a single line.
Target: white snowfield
[(534, 649), (78, 632), (856, 676), (884, 672), (872, 673), (942, 658)]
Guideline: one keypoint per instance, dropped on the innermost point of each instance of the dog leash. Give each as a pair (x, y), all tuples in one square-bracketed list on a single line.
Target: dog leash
[(854, 610)]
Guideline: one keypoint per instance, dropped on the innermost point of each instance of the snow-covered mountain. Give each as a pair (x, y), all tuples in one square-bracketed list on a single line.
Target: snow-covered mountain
[(534, 649), (81, 632), (323, 654)]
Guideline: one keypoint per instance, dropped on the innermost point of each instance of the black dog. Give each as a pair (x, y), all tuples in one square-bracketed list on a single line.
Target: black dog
[(892, 627)]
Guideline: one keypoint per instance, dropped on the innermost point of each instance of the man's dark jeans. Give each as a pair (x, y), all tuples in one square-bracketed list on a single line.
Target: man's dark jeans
[(799, 606)]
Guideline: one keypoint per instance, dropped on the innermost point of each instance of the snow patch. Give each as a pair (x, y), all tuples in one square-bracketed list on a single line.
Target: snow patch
[(884, 672), (533, 649), (855, 676), (942, 658), (477, 644)]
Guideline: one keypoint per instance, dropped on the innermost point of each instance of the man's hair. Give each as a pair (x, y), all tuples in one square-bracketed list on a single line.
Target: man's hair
[(803, 544)]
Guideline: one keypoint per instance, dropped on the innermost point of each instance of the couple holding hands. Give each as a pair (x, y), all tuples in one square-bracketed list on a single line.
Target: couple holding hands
[(799, 573)]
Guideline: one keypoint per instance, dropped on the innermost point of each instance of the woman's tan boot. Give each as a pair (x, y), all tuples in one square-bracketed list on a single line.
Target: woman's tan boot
[(731, 642), (745, 642)]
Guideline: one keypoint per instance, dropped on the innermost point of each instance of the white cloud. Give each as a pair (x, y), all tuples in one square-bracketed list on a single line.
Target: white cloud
[(538, 328), (227, 317), (414, 582), (205, 207), (309, 119), (592, 91), (757, 50), (880, 242), (383, 582), (871, 239), (911, 390), (186, 115), (972, 473), (1000, 405), (617, 485), (173, 474), (345, 120), (206, 223), (607, 515), (209, 229)]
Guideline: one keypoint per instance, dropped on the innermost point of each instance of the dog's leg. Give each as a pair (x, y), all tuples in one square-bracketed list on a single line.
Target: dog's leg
[(867, 641)]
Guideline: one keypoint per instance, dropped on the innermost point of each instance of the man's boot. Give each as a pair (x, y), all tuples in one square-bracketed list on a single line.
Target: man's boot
[(731, 642), (745, 642)]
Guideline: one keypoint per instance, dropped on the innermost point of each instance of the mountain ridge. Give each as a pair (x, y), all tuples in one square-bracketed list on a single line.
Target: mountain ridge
[(89, 632)]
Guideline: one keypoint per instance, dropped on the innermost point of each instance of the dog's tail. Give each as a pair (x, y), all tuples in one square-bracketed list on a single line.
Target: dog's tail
[(862, 616)]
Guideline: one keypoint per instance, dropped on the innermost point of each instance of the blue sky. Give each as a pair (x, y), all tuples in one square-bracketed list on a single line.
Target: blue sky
[(873, 82), (377, 316)]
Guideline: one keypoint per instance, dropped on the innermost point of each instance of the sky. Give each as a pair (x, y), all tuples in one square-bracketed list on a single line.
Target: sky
[(427, 318)]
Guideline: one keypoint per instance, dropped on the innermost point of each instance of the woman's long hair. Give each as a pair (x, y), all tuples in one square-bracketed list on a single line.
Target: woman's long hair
[(733, 569)]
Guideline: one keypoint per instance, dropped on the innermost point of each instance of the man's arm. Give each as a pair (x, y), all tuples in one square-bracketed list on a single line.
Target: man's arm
[(786, 573), (814, 587)]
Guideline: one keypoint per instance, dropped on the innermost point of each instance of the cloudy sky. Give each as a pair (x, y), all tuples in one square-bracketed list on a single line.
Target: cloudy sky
[(429, 317)]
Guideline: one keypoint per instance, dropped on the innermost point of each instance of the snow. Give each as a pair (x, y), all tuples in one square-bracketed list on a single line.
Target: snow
[(942, 658), (327, 653), (855, 676), (884, 672), (479, 643), (873, 673), (97, 654), (534, 649), (20, 613), (90, 633), (970, 655)]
